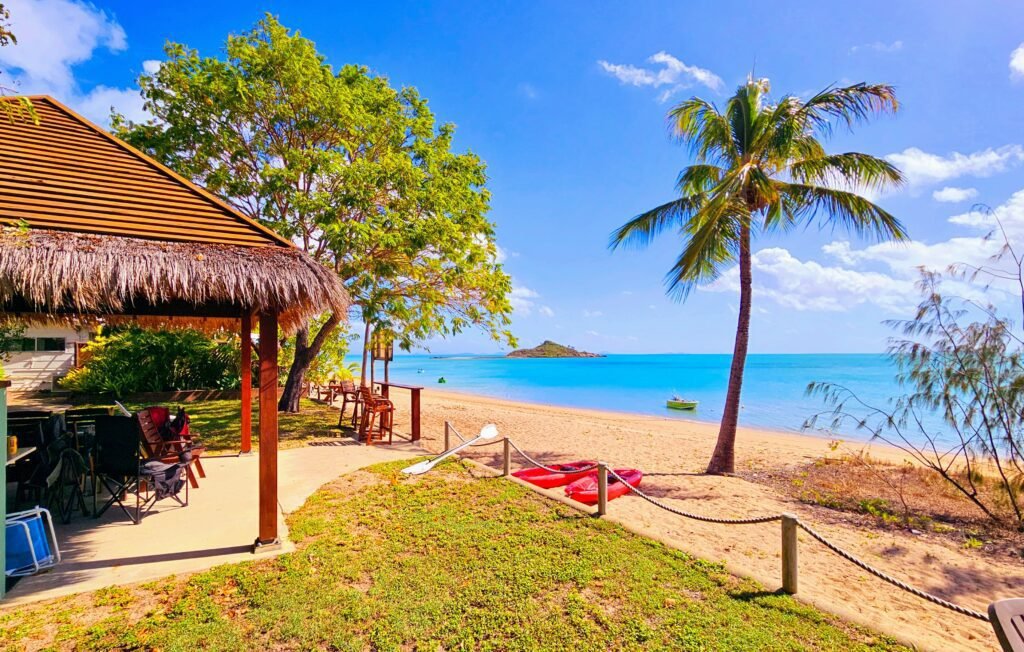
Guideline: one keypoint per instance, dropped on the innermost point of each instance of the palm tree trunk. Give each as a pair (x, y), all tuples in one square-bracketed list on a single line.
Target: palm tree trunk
[(723, 460)]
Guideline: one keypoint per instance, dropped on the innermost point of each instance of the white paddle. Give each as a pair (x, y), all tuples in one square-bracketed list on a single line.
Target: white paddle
[(490, 431)]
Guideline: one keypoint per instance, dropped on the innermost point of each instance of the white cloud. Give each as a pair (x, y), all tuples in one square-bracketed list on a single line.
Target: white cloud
[(673, 75), (1017, 63), (546, 311), (880, 275), (592, 313), (878, 46), (923, 168), (522, 299), (54, 36), (809, 285), (1009, 216), (592, 333), (151, 66), (954, 195)]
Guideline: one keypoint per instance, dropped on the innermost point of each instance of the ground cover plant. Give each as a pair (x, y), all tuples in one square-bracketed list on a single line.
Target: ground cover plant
[(445, 561), (854, 488)]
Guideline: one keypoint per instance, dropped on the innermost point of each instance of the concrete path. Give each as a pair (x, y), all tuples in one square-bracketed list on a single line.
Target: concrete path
[(218, 526)]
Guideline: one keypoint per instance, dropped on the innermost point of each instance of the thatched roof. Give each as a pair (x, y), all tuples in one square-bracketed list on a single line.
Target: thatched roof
[(66, 276), (113, 234)]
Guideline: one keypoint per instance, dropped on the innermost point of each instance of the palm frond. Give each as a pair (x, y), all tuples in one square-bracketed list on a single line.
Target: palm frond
[(848, 105), (639, 231), (851, 168), (712, 244), (699, 126), (853, 212), (699, 178)]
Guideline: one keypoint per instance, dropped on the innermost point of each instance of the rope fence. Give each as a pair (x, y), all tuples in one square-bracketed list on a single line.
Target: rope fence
[(790, 524)]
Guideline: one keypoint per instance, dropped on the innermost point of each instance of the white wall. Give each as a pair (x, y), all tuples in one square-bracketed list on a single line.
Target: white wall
[(36, 370)]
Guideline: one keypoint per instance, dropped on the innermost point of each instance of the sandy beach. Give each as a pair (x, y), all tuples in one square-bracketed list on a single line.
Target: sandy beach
[(672, 453)]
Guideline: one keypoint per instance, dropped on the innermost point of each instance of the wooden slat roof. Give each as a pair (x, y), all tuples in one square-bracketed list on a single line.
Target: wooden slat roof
[(67, 174)]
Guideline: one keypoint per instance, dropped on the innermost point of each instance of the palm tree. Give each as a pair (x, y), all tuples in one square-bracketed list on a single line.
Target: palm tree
[(762, 168)]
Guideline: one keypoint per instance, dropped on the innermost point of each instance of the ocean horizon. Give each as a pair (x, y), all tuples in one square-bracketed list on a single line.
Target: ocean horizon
[(774, 390)]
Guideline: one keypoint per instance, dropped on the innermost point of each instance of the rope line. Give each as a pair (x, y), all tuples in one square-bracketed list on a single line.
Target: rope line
[(697, 517), (889, 578), (765, 519), (548, 468)]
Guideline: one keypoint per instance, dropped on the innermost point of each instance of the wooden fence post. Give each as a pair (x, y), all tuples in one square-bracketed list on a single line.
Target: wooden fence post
[(789, 556), (507, 468), (602, 489)]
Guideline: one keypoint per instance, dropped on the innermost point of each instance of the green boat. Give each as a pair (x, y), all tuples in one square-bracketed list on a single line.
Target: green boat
[(676, 403)]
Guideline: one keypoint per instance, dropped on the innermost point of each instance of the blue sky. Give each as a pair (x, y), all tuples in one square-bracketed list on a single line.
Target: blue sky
[(566, 103)]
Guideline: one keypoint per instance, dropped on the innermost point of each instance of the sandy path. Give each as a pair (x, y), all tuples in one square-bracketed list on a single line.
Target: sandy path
[(670, 452)]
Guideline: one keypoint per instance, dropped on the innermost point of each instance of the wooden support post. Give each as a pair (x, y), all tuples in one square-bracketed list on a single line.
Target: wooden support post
[(4, 384), (416, 414), (602, 489), (246, 379), (268, 433), (507, 468), (789, 556), (447, 435)]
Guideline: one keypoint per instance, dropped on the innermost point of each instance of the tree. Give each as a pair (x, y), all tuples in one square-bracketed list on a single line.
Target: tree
[(962, 361), (762, 168), (355, 172)]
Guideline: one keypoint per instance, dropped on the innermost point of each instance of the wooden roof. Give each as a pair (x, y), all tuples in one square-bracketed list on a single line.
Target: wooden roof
[(67, 174)]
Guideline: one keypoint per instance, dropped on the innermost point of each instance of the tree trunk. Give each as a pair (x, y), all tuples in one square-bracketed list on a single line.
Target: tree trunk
[(366, 350), (723, 460), (305, 353)]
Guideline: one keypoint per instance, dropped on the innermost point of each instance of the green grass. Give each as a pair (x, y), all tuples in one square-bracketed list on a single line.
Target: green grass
[(219, 423), (443, 562)]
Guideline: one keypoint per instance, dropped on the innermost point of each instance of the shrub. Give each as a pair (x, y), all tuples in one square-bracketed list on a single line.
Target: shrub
[(132, 359)]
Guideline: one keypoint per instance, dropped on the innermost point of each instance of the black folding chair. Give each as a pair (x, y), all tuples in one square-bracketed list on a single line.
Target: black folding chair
[(122, 471)]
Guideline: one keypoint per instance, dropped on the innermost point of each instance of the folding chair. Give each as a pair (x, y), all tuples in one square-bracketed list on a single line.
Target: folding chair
[(31, 543), (121, 470)]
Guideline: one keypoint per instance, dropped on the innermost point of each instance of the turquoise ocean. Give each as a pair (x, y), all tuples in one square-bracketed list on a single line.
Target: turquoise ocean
[(773, 391)]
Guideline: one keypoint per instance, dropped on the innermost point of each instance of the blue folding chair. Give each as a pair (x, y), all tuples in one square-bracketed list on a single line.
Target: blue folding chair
[(31, 543)]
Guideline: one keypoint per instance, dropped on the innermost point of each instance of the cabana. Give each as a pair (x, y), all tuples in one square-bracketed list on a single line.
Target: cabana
[(96, 231)]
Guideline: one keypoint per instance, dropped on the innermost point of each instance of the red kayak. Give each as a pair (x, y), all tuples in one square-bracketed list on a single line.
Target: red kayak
[(566, 473), (584, 490)]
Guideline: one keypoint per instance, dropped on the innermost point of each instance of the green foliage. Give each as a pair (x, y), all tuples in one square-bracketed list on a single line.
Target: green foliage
[(448, 562), (356, 172), (132, 359), (10, 331)]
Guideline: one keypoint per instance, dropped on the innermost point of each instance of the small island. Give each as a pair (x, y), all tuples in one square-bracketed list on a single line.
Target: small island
[(549, 349)]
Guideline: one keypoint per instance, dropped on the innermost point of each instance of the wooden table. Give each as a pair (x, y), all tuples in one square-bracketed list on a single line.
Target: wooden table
[(21, 454), (414, 391)]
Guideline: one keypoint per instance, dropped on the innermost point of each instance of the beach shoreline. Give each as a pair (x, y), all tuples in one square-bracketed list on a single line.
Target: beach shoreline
[(811, 443)]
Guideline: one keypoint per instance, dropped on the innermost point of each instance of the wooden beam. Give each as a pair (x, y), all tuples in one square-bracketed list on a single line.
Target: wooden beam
[(268, 433), (246, 379)]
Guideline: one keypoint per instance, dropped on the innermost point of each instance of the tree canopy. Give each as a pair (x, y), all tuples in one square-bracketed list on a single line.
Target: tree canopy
[(357, 173)]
